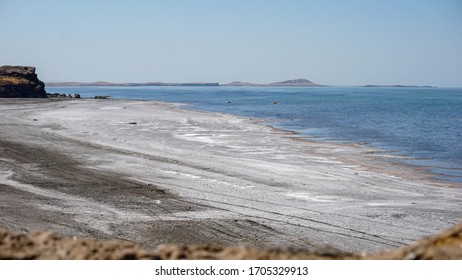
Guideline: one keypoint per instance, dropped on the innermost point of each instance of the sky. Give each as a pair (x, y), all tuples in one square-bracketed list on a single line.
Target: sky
[(328, 42)]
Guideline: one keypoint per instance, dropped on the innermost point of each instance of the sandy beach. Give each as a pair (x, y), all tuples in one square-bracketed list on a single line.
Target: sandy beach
[(156, 173)]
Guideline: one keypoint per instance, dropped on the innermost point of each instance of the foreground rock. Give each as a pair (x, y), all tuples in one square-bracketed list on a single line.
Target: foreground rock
[(20, 82), (447, 245)]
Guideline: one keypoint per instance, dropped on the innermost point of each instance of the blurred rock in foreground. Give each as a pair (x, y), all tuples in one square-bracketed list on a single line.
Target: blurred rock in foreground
[(43, 245)]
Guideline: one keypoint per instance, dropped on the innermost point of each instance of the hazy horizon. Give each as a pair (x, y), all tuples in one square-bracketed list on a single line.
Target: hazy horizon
[(223, 84), (327, 42)]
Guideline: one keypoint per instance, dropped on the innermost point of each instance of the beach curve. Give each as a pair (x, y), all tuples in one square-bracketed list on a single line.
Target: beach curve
[(153, 173)]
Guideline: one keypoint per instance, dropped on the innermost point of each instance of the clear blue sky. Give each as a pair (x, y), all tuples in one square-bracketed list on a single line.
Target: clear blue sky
[(328, 42)]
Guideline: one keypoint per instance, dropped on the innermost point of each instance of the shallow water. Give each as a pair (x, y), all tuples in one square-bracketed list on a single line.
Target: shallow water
[(423, 124)]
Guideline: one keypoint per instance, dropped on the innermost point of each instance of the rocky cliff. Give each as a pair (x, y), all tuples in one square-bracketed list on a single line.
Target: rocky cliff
[(20, 81)]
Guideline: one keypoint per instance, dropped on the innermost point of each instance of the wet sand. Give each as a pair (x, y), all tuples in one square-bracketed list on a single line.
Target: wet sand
[(155, 173)]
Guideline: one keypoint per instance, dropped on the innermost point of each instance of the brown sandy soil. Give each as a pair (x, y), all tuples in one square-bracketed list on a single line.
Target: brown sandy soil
[(42, 245), (153, 173)]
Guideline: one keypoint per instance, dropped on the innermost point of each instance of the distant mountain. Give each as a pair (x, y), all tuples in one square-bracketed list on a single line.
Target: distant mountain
[(288, 83), (242, 84), (107, 84), (295, 83)]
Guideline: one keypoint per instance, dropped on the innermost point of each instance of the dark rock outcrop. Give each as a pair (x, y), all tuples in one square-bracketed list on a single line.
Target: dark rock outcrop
[(56, 94), (20, 81)]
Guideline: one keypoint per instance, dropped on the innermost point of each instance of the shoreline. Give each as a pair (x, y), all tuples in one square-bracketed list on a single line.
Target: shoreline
[(178, 175), (395, 164), (438, 169)]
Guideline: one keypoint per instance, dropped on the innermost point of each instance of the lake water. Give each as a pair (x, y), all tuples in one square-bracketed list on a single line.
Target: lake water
[(424, 124)]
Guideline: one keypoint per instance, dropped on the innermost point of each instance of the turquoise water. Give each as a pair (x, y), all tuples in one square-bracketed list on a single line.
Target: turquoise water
[(424, 124)]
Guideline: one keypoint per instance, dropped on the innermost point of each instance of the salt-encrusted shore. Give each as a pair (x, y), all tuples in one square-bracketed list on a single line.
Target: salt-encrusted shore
[(156, 173)]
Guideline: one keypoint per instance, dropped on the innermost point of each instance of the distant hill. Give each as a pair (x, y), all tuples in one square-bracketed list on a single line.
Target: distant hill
[(242, 84), (288, 83), (107, 84), (295, 83)]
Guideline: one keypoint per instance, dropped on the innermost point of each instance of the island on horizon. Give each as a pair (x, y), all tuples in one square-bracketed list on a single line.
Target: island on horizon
[(108, 84), (286, 83), (294, 83)]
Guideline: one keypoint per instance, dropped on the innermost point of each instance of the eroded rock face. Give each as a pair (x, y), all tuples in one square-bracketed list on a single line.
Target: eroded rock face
[(20, 81)]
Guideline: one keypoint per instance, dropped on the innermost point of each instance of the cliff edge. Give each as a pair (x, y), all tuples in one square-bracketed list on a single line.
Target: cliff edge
[(20, 82)]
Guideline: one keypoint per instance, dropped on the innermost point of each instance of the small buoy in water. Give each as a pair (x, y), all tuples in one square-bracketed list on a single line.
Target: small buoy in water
[(275, 102), (229, 101)]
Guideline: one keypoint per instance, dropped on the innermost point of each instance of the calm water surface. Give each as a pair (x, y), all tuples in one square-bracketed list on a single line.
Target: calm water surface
[(424, 124)]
